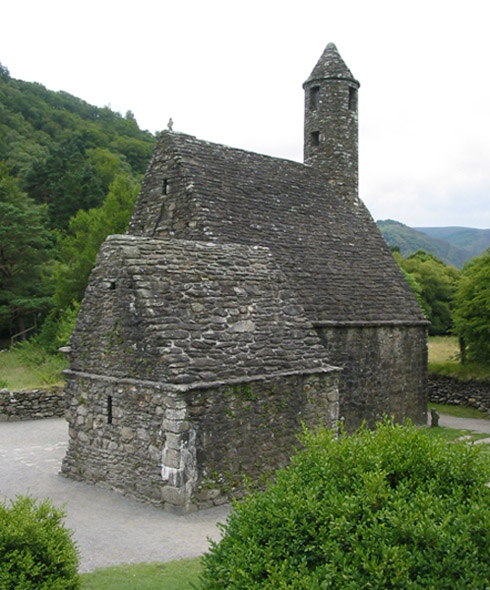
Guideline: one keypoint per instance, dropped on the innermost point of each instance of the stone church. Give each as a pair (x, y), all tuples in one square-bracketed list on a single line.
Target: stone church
[(250, 295)]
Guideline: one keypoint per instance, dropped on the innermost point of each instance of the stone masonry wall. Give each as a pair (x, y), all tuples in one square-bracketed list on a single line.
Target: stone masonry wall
[(248, 430), (443, 389), (384, 372), (115, 435), (31, 404), (185, 449)]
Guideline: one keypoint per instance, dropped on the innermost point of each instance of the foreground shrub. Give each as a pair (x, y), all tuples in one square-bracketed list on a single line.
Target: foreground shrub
[(389, 508), (36, 550)]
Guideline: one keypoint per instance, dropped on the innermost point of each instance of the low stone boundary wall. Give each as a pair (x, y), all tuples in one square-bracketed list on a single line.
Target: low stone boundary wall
[(443, 389), (31, 404)]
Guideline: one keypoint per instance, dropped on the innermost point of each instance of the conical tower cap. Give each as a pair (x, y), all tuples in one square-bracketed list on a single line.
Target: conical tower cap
[(330, 66)]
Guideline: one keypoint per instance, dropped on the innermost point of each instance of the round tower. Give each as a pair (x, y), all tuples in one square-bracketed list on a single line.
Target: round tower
[(331, 123)]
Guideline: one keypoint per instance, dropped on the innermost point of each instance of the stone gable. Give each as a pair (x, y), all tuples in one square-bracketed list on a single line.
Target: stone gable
[(175, 311)]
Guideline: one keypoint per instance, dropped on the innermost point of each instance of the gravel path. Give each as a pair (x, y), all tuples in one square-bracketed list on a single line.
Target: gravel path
[(477, 425), (108, 528)]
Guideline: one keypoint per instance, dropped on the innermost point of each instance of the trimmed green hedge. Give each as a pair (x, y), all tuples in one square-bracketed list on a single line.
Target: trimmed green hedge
[(36, 550), (389, 508)]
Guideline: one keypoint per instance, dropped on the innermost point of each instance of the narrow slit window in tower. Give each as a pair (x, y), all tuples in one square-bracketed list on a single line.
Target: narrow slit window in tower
[(109, 409), (315, 138), (165, 186), (314, 93), (352, 99)]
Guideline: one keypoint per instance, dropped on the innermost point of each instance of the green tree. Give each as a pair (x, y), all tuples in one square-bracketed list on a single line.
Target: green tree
[(87, 230), (434, 284), (472, 308), (108, 165), (25, 247), (67, 181), (4, 72)]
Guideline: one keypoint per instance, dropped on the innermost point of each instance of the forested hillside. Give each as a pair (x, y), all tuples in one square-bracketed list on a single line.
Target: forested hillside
[(454, 246), (472, 240), (64, 152), (69, 173)]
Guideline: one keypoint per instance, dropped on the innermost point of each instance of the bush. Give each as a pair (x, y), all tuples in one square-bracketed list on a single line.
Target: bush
[(389, 508), (36, 550), (57, 328)]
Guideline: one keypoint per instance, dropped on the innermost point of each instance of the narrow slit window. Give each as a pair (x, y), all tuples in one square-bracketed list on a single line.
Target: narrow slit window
[(165, 186), (112, 285), (352, 99), (315, 138), (314, 93), (109, 409)]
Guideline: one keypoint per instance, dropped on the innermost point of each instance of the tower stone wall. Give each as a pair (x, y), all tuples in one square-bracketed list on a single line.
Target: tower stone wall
[(331, 122)]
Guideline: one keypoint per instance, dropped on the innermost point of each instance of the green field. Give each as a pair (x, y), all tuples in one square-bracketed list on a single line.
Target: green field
[(444, 359), (30, 367)]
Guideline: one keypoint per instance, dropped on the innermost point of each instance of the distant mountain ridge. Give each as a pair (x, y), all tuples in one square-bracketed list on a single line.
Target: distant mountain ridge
[(453, 245)]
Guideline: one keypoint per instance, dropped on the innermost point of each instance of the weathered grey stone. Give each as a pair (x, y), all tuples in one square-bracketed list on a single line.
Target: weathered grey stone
[(175, 426), (127, 433), (208, 333), (173, 495), (31, 404), (173, 414), (475, 393)]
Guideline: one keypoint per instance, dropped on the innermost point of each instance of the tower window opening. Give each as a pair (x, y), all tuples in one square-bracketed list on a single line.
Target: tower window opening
[(165, 187), (109, 409), (352, 99), (314, 94), (315, 138)]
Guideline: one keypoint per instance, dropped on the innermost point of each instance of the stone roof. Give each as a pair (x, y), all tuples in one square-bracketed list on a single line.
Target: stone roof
[(331, 66), (182, 312), (330, 250)]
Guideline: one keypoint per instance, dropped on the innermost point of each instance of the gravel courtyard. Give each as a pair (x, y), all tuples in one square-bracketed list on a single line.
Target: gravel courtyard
[(108, 528)]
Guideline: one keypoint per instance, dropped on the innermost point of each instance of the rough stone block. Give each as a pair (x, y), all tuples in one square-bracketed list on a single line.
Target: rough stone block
[(175, 426), (176, 496)]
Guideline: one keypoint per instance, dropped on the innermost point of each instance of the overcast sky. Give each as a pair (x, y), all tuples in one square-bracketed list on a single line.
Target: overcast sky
[(231, 72)]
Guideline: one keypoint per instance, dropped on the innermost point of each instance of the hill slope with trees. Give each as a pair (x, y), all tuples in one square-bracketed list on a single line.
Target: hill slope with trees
[(472, 240), (64, 152), (453, 245), (69, 174)]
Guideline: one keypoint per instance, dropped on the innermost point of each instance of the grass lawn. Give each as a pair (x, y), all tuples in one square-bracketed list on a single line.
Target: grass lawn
[(443, 349), (171, 575), (444, 359), (30, 368)]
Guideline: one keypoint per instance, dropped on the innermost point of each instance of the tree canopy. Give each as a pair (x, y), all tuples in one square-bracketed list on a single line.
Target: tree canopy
[(58, 146), (25, 248), (87, 230), (472, 308), (434, 284), (69, 175)]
